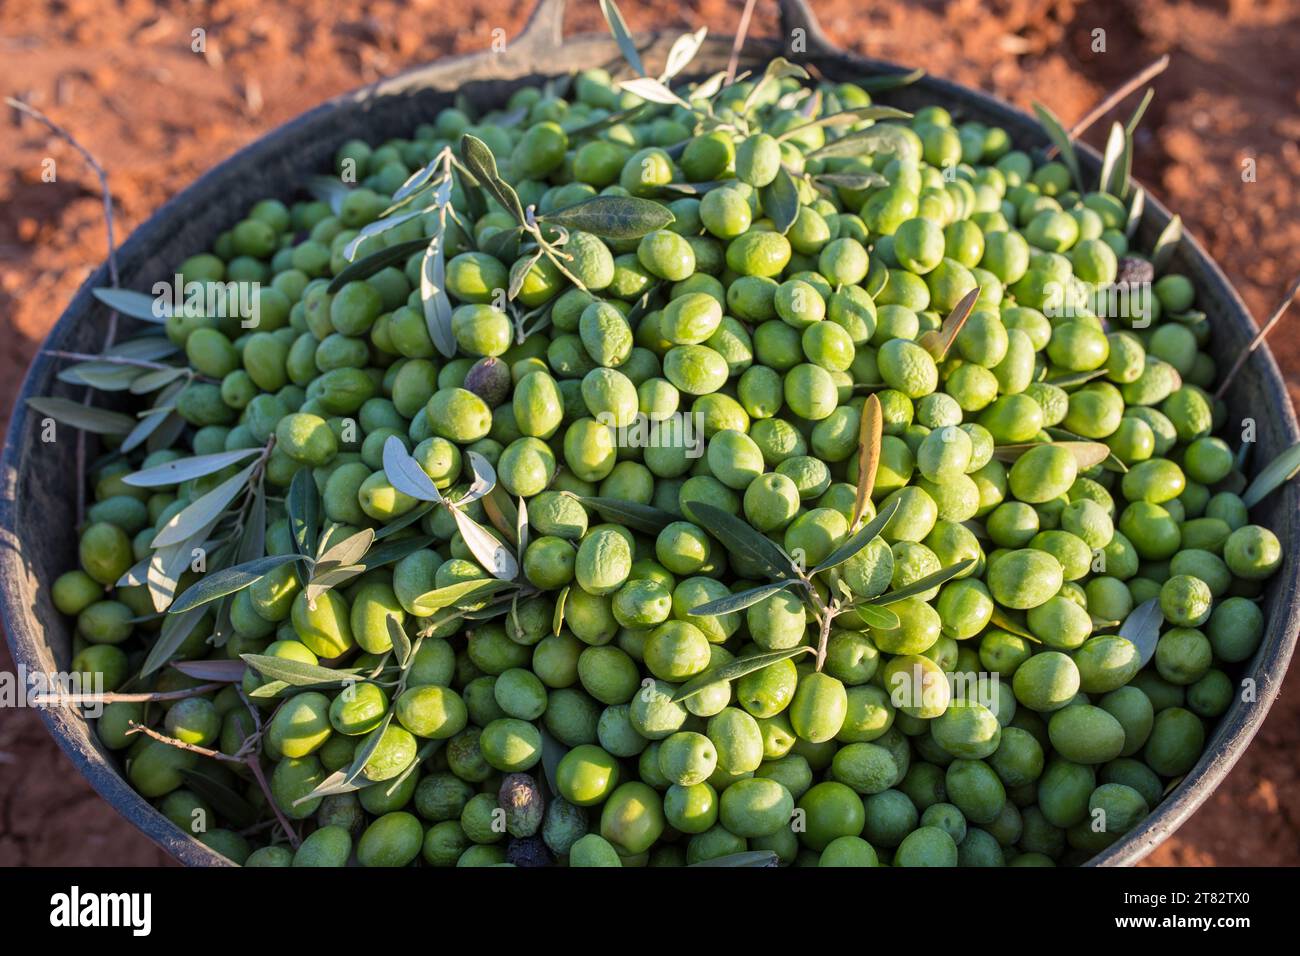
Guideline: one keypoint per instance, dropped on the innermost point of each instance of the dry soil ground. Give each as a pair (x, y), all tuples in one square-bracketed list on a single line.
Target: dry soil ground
[(122, 76)]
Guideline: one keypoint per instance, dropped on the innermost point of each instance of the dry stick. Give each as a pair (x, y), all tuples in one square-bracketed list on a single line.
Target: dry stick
[(107, 195), (734, 61), (1258, 340), (1113, 100)]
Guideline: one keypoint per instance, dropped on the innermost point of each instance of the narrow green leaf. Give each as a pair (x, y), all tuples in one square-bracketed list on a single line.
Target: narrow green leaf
[(297, 673), (218, 584), (1109, 181), (105, 376), (924, 584), (880, 618), (390, 551), (377, 261), (153, 380), (639, 517), (737, 536), (735, 669), (98, 421), (1142, 629), (557, 619), (850, 180), (889, 81), (225, 672), (882, 138), (303, 507), (1013, 622), (1166, 243), (1061, 140), (487, 550), (482, 165), (863, 537), (1273, 476), (434, 299), (137, 305), (464, 595), (175, 629), (622, 36), (780, 200), (740, 600), (202, 511), (185, 469), (485, 479), (612, 217), (229, 804), (401, 643)]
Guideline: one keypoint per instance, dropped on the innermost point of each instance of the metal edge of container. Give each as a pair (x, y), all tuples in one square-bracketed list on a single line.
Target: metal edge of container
[(187, 222)]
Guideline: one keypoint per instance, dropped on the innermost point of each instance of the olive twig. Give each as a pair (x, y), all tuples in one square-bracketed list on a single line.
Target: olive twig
[(741, 30), (127, 698)]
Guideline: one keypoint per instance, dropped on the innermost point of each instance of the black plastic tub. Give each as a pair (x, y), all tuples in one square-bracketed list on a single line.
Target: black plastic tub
[(38, 539)]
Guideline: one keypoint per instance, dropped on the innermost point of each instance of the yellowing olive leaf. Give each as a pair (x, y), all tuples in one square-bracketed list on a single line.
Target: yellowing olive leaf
[(939, 343), (870, 437)]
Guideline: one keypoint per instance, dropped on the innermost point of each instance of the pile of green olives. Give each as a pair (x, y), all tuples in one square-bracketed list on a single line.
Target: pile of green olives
[(551, 732)]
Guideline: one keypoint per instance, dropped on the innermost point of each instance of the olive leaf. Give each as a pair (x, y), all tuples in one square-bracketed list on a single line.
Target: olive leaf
[(405, 521), (1064, 437), (218, 584), (1166, 243), (202, 511), (1273, 476), (152, 423), (683, 50), (226, 802), (521, 529), (464, 595), (924, 584), (98, 421), (870, 438), (218, 671), (652, 91), (883, 138), (552, 753), (1112, 177), (1062, 141), (487, 550), (485, 479), (418, 179), (482, 165), (303, 507), (613, 119), (299, 673), (1142, 629), (940, 341), (778, 68), (860, 539), (850, 180), (740, 538), (847, 118), (739, 600), (185, 469), (780, 200), (644, 518), (405, 474), (434, 298), (349, 551), (618, 27), (343, 781), (1072, 379), (880, 618), (889, 81), (376, 228), (1137, 205), (1086, 454), (328, 189), (391, 551), (502, 513), (1012, 622), (105, 376), (323, 581), (377, 261), (176, 629), (137, 305), (402, 649), (734, 669), (612, 217), (710, 86), (153, 380), (557, 619)]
